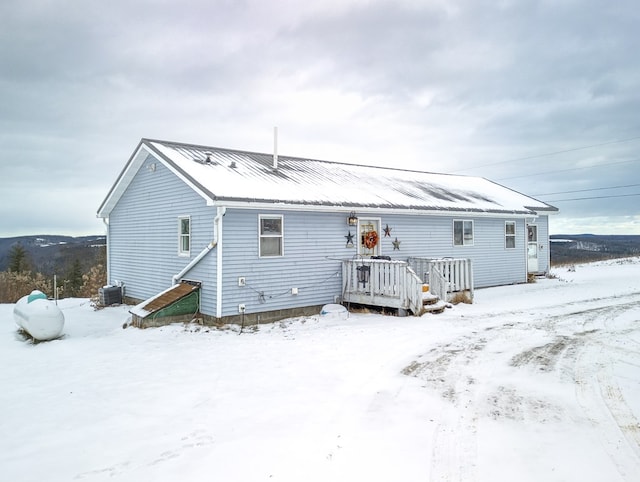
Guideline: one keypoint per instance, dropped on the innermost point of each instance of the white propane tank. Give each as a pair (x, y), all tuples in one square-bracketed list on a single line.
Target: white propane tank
[(38, 316)]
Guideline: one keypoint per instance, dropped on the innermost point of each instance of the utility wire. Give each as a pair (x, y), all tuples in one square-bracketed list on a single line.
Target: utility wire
[(548, 154), (568, 170), (586, 190), (589, 198)]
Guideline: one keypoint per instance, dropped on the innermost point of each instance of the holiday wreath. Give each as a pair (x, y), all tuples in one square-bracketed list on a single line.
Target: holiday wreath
[(370, 239)]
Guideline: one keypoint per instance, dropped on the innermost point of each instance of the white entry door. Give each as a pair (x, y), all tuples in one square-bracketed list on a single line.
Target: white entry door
[(369, 237), (532, 248)]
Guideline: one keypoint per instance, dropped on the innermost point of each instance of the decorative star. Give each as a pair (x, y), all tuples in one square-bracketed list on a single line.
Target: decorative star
[(387, 231), (349, 238), (396, 244)]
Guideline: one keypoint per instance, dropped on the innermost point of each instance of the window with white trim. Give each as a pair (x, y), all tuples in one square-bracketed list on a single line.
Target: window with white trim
[(184, 236), (462, 233), (271, 235), (509, 234)]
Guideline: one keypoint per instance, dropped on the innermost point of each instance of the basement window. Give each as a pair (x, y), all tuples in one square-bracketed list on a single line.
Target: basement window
[(509, 234), (184, 236), (271, 236), (462, 233)]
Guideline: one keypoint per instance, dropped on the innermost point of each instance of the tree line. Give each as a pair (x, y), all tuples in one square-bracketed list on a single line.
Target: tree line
[(22, 277)]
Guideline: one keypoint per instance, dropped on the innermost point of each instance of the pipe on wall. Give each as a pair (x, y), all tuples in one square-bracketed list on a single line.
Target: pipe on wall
[(107, 260), (216, 236)]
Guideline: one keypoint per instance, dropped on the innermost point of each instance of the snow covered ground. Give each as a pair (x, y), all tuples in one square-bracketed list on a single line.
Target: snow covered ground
[(532, 382)]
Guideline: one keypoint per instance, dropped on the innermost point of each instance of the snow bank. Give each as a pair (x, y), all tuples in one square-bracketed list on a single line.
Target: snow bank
[(531, 382)]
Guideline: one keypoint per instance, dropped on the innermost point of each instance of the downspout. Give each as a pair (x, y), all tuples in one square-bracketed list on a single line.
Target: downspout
[(221, 212), (217, 223), (107, 260), (525, 238)]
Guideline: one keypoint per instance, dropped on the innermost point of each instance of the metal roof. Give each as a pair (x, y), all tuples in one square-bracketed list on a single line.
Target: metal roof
[(241, 177)]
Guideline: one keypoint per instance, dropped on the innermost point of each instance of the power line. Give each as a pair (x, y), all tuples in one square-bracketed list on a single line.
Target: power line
[(589, 198), (619, 141), (586, 190), (568, 170)]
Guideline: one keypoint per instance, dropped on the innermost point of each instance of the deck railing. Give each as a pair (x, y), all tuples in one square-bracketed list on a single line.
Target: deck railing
[(385, 283), (438, 286), (445, 276)]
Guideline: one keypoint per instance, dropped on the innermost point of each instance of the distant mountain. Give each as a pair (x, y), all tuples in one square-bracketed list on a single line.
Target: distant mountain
[(576, 248), (53, 254)]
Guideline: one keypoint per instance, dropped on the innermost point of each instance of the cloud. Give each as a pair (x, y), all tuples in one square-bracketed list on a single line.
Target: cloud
[(448, 86)]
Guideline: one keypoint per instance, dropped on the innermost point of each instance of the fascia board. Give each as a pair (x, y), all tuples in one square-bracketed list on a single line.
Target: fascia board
[(547, 210), (368, 211), (124, 179), (131, 169)]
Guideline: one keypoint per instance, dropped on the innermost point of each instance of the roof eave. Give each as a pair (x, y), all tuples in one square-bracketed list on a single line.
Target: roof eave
[(140, 154), (246, 203), (121, 183), (544, 209)]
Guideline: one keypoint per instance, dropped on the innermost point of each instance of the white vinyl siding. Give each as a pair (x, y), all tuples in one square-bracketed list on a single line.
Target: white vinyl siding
[(184, 236), (271, 236), (145, 235), (462, 233), (510, 234)]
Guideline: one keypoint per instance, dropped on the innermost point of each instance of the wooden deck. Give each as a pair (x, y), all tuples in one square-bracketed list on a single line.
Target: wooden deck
[(398, 284), (446, 277), (376, 282)]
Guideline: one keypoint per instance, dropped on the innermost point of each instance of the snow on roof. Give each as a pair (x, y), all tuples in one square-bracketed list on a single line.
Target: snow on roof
[(224, 175)]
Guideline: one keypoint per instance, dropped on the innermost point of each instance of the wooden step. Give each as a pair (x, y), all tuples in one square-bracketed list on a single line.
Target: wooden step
[(437, 307), (432, 304), (429, 299)]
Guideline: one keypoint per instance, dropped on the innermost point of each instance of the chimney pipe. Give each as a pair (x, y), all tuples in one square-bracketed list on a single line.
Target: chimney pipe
[(275, 148)]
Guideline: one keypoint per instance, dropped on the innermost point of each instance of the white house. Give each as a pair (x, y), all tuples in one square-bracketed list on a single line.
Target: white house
[(266, 236)]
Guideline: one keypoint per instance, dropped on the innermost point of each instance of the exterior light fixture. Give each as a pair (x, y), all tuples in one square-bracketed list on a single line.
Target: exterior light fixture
[(363, 274), (352, 220)]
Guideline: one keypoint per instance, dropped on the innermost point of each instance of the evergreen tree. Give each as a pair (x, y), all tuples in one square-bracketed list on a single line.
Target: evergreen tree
[(18, 259), (74, 281)]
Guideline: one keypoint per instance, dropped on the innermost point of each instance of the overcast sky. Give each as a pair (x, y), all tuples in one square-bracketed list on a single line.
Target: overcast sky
[(540, 96)]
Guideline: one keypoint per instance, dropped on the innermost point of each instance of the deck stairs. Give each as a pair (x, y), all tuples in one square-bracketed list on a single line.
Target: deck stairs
[(432, 303)]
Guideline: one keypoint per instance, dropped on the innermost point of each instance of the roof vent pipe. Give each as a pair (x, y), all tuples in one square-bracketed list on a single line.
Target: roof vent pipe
[(208, 155), (275, 148)]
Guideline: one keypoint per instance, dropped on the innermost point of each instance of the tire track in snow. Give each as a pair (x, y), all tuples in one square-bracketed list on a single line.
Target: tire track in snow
[(588, 356), (446, 370), (455, 448), (604, 407), (596, 390), (549, 315)]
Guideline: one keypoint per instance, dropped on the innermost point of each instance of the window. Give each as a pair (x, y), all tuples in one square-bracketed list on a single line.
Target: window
[(463, 233), (184, 236), (509, 234), (271, 236)]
